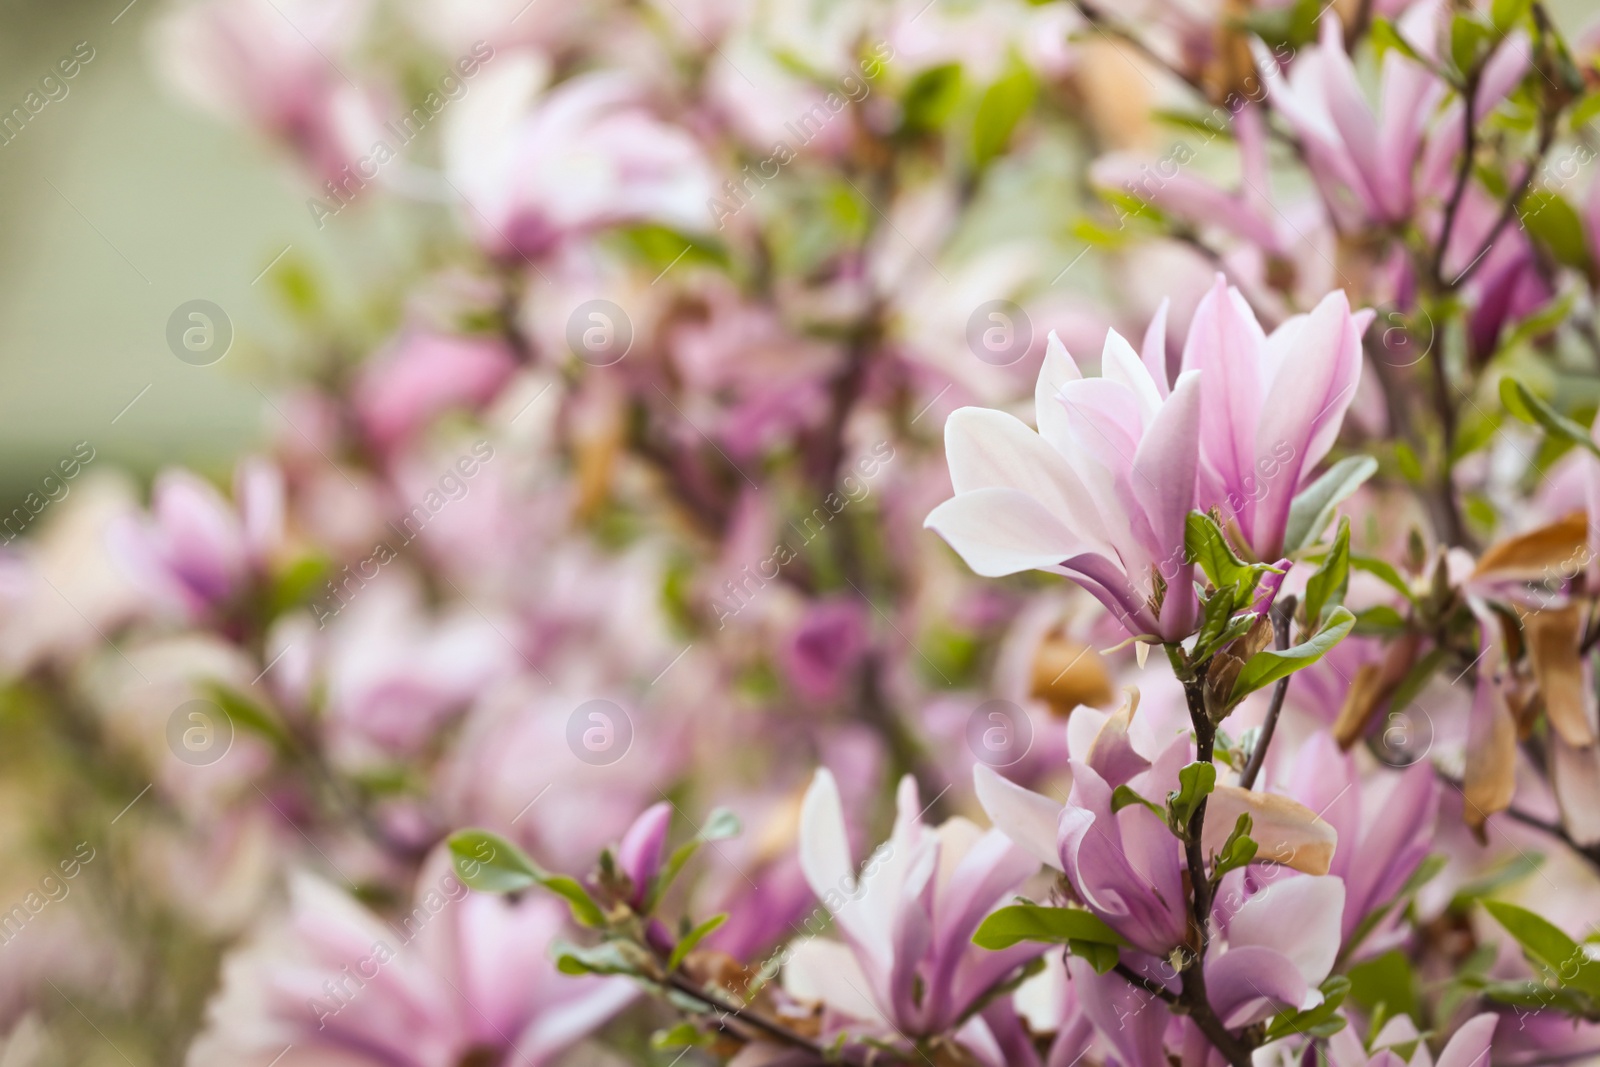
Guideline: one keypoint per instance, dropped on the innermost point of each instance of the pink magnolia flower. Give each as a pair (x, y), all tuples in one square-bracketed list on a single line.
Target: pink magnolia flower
[(424, 374), (907, 915), (1270, 404), (1363, 162), (196, 551), (1278, 936), (1385, 826), (272, 63), (462, 977), (1468, 1047), (1100, 493), (586, 155)]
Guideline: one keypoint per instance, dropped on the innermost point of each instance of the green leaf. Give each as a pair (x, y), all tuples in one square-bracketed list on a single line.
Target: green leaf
[(1469, 42), (1326, 588), (691, 939), (1529, 408), (1493, 881), (1268, 666), (1554, 223), (721, 823), (1206, 545), (1034, 922), (1124, 795), (1385, 572), (608, 957), (489, 863), (1323, 1020), (1238, 851), (1101, 956), (1545, 943), (931, 98), (248, 713), (1507, 13), (1195, 783), (1216, 612), (1386, 982), (1380, 620), (1385, 37), (999, 111), (681, 1035), (1312, 510)]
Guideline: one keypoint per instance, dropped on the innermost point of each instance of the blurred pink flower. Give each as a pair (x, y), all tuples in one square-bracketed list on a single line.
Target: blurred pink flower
[(195, 550), (825, 648), (422, 375), (460, 978), (273, 64), (1364, 163), (588, 154)]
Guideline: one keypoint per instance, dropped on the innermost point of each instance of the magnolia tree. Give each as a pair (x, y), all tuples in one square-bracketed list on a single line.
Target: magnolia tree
[(606, 656)]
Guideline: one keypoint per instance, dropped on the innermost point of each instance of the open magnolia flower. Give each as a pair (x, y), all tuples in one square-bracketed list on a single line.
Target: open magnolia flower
[(907, 963), (1101, 492), (1281, 930)]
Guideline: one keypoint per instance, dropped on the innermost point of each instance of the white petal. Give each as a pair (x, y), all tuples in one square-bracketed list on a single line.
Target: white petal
[(1002, 531), (1028, 818)]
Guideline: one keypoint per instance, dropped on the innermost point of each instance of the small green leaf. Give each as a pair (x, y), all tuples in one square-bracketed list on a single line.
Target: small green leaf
[(1101, 956), (246, 712), (1326, 588), (1195, 783), (1238, 850), (999, 111), (608, 957), (1034, 922), (681, 1035), (1323, 1020), (1123, 795), (1312, 510), (1554, 223), (489, 863), (1505, 14), (1386, 37), (931, 97), (1268, 666), (1523, 404), (691, 939), (1546, 943)]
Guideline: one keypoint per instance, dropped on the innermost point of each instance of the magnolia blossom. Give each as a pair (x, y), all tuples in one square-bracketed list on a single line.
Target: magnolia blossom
[(1100, 493), (275, 64), (907, 962), (1385, 827), (1270, 404), (424, 374), (1468, 1047), (196, 551), (1369, 159), (1279, 933), (588, 154), (459, 978)]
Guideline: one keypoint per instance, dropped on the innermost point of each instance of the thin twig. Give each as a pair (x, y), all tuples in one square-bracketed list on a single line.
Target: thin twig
[(1282, 616)]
